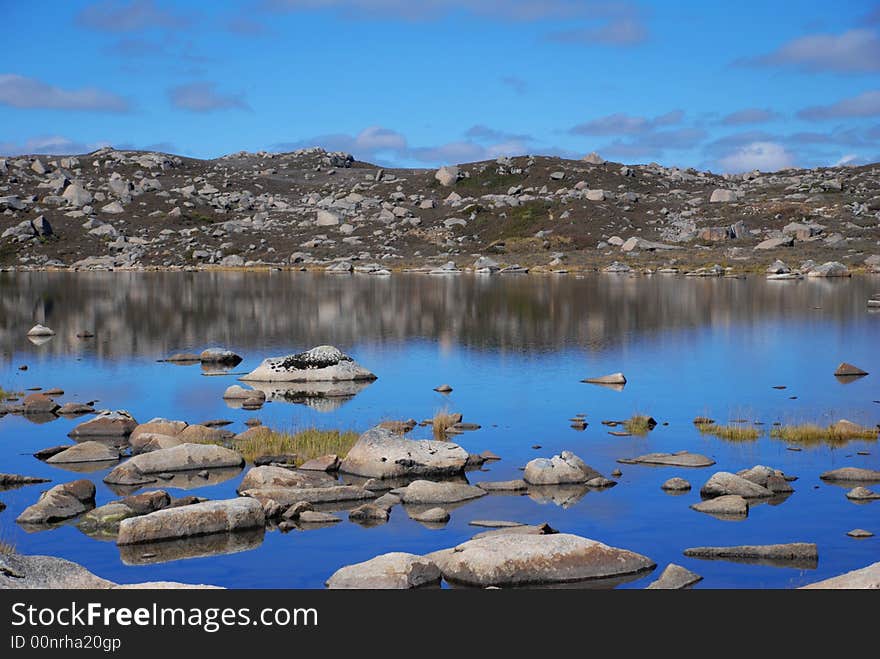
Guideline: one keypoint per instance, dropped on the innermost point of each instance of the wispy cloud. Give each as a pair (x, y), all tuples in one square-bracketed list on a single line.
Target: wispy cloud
[(28, 93), (863, 105), (765, 156), (134, 16), (482, 132), (749, 116), (855, 51), (204, 97), (516, 83), (624, 124), (628, 31)]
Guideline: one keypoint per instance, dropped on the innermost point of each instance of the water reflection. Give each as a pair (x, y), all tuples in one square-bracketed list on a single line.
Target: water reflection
[(163, 313), (194, 547)]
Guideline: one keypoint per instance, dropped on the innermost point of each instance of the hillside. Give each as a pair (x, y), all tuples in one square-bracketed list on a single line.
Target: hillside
[(311, 208)]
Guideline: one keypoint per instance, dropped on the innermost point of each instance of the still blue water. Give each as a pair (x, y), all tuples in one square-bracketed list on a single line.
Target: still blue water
[(514, 350)]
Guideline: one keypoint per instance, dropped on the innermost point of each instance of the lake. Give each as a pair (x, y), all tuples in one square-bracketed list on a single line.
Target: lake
[(514, 349)]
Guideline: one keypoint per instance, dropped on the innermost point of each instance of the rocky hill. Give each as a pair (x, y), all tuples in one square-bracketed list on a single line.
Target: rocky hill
[(311, 208)]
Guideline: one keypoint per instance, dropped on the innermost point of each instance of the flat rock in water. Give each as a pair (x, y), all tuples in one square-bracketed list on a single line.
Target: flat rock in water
[(503, 486), (520, 559), (16, 480), (795, 551), (859, 533), (865, 578), (379, 453), (288, 496), (723, 483), (236, 392), (325, 463), (316, 517), (143, 468), (106, 424), (198, 519), (853, 474), (40, 330), (494, 523), (563, 468), (59, 503), (613, 378), (862, 494), (90, 451), (74, 409), (680, 459), (848, 370), (369, 513), (728, 505), (422, 492), (321, 364), (396, 570), (676, 485), (674, 577), (38, 404)]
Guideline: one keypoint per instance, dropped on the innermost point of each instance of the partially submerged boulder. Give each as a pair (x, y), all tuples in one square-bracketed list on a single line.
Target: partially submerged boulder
[(613, 378), (271, 476), (323, 363), (426, 492), (158, 426), (90, 451), (142, 469), (679, 459), (396, 570), (674, 577), (851, 474), (220, 356), (563, 468), (848, 370), (727, 505), (60, 502), (107, 423), (724, 483), (379, 453), (865, 578), (518, 559), (205, 518), (288, 496)]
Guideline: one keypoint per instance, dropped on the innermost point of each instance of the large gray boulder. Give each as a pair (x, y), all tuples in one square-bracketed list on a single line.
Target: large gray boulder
[(829, 269), (563, 468), (424, 492), (60, 502), (396, 570), (45, 572), (321, 364), (727, 505), (379, 453), (198, 519), (448, 175), (511, 559), (141, 469), (158, 426), (724, 483)]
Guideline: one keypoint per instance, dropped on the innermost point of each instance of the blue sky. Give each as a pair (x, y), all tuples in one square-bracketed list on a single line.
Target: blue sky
[(721, 86)]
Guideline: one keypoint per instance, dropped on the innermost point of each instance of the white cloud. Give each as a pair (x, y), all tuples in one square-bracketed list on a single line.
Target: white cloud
[(28, 93), (51, 144), (765, 156)]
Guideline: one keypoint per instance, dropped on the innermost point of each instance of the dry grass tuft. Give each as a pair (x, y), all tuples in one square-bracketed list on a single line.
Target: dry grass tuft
[(732, 432), (442, 421), (639, 424), (811, 434)]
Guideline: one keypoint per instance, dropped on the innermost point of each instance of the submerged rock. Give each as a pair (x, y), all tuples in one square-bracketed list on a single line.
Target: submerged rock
[(516, 559), (674, 577), (324, 363), (197, 519), (396, 570), (59, 503), (379, 453)]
